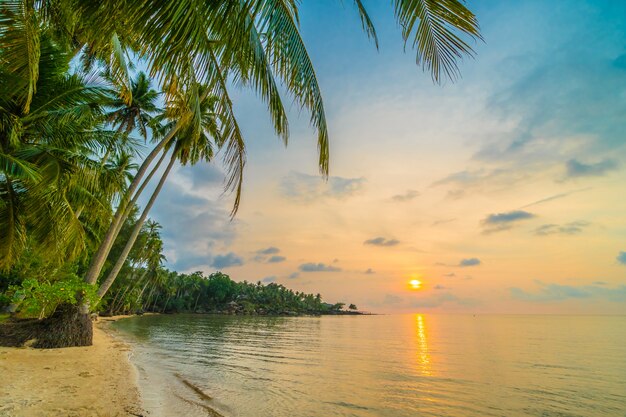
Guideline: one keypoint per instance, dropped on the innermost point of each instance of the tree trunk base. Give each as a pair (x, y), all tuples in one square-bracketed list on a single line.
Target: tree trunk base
[(67, 327)]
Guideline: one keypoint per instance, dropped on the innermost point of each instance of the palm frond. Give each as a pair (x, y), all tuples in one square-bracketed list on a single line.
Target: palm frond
[(434, 28), (291, 62), (366, 22), (19, 43)]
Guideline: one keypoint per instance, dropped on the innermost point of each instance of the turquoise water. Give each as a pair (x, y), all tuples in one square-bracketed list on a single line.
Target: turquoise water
[(365, 366)]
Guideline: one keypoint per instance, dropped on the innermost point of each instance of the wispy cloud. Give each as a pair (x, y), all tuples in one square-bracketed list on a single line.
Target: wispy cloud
[(269, 279), (276, 259), (504, 221), (439, 299), (307, 188), (318, 267), (576, 169), (443, 221), (621, 258), (406, 196), (478, 179), (381, 241), (555, 197), (572, 228), (556, 292), (369, 271), (268, 251)]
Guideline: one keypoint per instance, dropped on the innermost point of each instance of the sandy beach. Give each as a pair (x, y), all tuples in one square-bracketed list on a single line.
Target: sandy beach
[(98, 380)]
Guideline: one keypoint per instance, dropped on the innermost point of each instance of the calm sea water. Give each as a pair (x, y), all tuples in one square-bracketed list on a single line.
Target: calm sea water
[(396, 366)]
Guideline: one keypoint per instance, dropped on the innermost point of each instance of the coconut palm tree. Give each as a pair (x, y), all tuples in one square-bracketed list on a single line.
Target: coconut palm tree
[(51, 124), (139, 112), (184, 44)]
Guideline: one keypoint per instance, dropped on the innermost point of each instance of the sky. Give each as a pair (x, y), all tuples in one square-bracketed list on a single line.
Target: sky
[(503, 192)]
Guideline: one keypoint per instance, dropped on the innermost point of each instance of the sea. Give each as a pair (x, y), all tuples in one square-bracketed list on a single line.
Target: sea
[(379, 365)]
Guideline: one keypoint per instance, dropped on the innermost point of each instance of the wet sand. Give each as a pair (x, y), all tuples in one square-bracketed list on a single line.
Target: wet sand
[(97, 381)]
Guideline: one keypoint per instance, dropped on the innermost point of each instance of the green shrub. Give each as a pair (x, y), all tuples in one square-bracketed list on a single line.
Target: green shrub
[(40, 299)]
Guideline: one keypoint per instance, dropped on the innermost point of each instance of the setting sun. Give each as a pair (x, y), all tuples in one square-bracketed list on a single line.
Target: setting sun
[(415, 284)]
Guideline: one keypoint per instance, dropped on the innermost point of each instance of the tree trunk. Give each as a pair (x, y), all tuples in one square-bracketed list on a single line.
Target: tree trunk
[(166, 301), (129, 207), (196, 303), (142, 291), (133, 237), (119, 303), (145, 306), (97, 262), (67, 327)]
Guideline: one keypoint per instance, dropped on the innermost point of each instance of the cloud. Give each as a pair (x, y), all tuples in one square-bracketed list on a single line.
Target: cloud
[(450, 275), (557, 292), (369, 271), (268, 251), (576, 169), (294, 275), (423, 300), (504, 221), (440, 287), (556, 197), (194, 226), (469, 262), (558, 95), (269, 279), (443, 221), (226, 261), (437, 300), (479, 179), (621, 258), (391, 299), (306, 188), (276, 259), (381, 241), (203, 175), (262, 255), (572, 228), (406, 196), (319, 267)]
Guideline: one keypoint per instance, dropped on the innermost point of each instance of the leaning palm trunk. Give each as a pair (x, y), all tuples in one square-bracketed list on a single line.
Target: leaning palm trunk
[(122, 211), (133, 237), (143, 289), (195, 306), (131, 205)]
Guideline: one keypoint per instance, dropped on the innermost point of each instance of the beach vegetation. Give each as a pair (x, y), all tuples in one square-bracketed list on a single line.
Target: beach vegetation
[(76, 117)]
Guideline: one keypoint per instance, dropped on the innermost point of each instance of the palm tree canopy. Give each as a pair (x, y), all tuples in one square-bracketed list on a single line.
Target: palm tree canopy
[(254, 43)]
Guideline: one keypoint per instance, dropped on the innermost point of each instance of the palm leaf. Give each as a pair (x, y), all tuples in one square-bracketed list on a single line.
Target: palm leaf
[(434, 29)]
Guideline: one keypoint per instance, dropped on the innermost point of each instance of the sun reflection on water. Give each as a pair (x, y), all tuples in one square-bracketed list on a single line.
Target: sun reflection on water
[(423, 356)]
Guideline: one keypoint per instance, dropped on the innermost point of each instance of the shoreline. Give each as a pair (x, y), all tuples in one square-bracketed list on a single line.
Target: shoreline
[(97, 380)]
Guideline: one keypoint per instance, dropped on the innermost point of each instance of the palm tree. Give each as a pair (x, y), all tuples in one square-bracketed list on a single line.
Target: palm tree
[(139, 112), (184, 44), (195, 142), (47, 135)]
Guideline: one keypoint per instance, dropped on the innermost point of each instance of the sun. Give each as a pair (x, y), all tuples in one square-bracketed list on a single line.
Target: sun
[(415, 284)]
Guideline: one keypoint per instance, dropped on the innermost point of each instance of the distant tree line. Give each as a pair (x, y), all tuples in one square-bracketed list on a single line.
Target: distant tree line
[(36, 286)]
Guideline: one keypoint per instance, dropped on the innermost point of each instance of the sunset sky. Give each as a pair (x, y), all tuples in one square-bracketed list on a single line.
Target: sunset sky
[(504, 192)]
